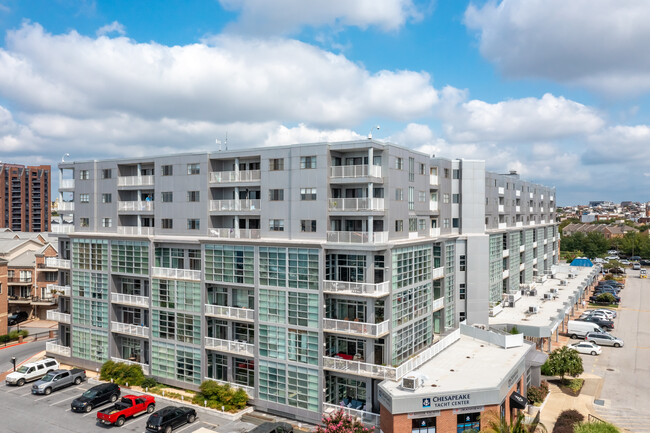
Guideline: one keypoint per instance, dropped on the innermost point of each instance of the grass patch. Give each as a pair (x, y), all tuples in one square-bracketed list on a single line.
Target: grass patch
[(597, 305)]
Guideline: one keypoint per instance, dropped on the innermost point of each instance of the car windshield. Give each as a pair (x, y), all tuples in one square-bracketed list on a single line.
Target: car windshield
[(91, 393), (48, 377), (22, 369)]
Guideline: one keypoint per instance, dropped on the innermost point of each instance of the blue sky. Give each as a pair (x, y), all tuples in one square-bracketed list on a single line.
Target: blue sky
[(553, 89)]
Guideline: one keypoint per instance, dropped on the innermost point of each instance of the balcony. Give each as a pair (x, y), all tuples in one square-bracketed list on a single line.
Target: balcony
[(62, 228), (505, 253), (358, 368), (134, 300), (60, 290), (135, 181), (502, 190), (235, 233), (66, 184), (357, 237), (545, 241), (434, 232), (433, 179), (145, 367), (517, 193), (502, 208), (176, 274), (522, 266), (129, 329), (57, 349), (530, 209), (438, 273), (234, 205), (356, 204), (522, 248), (235, 176), (433, 206), (235, 347), (517, 208), (135, 231), (531, 223), (66, 206), (519, 224), (135, 206), (367, 418), (358, 289), (249, 389), (55, 262), (503, 226), (57, 316), (506, 274), (355, 171), (20, 280), (373, 330), (437, 304), (244, 314)]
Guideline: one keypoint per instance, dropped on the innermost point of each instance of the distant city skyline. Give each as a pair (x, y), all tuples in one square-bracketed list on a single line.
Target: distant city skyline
[(555, 90)]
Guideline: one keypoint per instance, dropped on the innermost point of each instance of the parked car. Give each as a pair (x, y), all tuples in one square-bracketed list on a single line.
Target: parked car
[(273, 427), (17, 317), (611, 283), (597, 315), (609, 314), (599, 261), (594, 298), (645, 262), (624, 262), (617, 271), (604, 339), (607, 325), (608, 311), (57, 379), (32, 371), (169, 418), (128, 406), (580, 329), (636, 266), (606, 289), (586, 348), (96, 396), (635, 258)]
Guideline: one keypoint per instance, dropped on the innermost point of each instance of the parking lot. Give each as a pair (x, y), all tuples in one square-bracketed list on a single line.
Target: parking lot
[(22, 412)]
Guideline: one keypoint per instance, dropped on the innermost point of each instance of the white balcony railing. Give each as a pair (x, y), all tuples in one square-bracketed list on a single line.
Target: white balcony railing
[(502, 190), (367, 418), (234, 205), (360, 289), (356, 204), (57, 316), (506, 274), (135, 231), (434, 232), (230, 312), (66, 184), (532, 223), (235, 176), (517, 208), (359, 368), (353, 171), (519, 224), (62, 228), (438, 304), (236, 347), (518, 193), (57, 349), (235, 233), (522, 248), (502, 208), (66, 206), (357, 328), (55, 262), (530, 209), (427, 354), (135, 206), (129, 329), (357, 237), (506, 253), (135, 181), (438, 273), (433, 206), (176, 274), (145, 367), (61, 290), (433, 179), (123, 298), (503, 226), (249, 389)]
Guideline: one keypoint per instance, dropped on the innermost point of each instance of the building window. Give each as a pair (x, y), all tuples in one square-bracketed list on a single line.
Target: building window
[(276, 194), (84, 198), (421, 171), (167, 223), (307, 162), (411, 169), (445, 197), (276, 164), (307, 194), (194, 168), (422, 196), (276, 225), (84, 222), (455, 198), (462, 289), (411, 198), (399, 163), (167, 197), (422, 224), (308, 226), (193, 196), (445, 223), (468, 421), (107, 222), (107, 198), (455, 222), (399, 225), (193, 224), (456, 173), (167, 170), (462, 262), (424, 425), (84, 175), (107, 173), (399, 194), (446, 173), (413, 224)]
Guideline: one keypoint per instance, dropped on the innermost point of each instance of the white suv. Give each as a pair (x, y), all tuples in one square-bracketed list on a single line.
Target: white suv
[(32, 371)]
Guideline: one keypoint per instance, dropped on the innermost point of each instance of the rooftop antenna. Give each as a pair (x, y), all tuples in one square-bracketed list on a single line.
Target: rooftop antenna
[(226, 142), (370, 133)]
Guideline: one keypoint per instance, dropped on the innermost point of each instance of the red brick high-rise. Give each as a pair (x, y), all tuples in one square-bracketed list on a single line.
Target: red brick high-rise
[(25, 197)]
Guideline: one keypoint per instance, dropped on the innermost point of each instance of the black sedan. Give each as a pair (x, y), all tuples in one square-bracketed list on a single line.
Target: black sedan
[(169, 418), (607, 325), (96, 396)]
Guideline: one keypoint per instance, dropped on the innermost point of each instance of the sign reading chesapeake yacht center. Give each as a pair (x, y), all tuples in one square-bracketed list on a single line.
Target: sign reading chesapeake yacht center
[(446, 401)]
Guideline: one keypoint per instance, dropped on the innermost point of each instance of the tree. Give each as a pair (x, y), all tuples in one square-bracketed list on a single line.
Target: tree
[(565, 361), (340, 422), (496, 424)]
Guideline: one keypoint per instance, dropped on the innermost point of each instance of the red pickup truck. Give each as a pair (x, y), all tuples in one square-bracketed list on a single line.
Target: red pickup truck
[(128, 406)]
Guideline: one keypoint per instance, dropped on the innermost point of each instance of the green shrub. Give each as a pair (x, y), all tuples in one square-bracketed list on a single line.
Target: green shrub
[(537, 394), (595, 427), (575, 384), (23, 332), (122, 373), (514, 330), (546, 369), (217, 395), (566, 420), (4, 338), (13, 335), (149, 382), (605, 298)]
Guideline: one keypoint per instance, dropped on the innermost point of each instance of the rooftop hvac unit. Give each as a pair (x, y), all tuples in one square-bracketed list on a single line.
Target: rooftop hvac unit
[(548, 296), (563, 282), (511, 299), (412, 382), (553, 290), (533, 292), (572, 275), (533, 309)]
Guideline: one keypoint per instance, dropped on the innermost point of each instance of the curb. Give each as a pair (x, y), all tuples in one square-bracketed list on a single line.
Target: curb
[(13, 345)]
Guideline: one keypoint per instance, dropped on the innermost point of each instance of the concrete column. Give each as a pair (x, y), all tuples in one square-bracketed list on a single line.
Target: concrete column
[(236, 194)]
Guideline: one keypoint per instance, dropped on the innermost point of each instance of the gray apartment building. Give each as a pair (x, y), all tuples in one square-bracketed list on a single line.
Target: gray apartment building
[(304, 274)]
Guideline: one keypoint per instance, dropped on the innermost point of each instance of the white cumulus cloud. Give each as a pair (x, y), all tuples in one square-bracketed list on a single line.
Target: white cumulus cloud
[(114, 27)]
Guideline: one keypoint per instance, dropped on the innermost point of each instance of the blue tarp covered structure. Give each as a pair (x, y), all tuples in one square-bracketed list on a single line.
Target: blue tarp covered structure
[(582, 261)]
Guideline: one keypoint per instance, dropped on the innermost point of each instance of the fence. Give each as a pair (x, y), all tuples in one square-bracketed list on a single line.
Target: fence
[(47, 335)]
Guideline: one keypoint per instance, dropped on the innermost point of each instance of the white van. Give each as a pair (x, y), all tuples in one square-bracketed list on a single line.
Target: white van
[(636, 266), (32, 371), (579, 329)]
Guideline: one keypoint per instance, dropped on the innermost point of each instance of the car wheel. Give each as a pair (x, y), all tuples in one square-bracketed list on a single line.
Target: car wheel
[(120, 421), (48, 391), (593, 353), (191, 417), (113, 398), (574, 336), (617, 345), (88, 408), (77, 381), (151, 408), (21, 382), (168, 429)]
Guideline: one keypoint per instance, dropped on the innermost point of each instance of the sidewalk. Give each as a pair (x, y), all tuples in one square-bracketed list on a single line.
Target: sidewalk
[(559, 401)]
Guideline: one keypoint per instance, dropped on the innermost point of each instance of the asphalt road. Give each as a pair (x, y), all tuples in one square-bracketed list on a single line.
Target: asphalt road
[(626, 371), (22, 352)]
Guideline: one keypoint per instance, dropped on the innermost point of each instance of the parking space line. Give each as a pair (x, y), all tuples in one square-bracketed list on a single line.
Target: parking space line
[(61, 401), (15, 388), (186, 427), (25, 395)]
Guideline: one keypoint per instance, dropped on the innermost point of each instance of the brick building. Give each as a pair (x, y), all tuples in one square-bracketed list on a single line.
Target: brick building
[(25, 197)]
